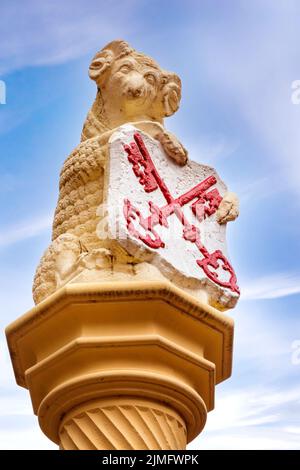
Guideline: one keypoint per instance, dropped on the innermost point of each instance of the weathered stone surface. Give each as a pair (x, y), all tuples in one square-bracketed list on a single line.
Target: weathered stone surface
[(176, 257)]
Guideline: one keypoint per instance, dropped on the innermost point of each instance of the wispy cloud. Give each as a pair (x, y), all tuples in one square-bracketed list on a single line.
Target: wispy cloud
[(211, 149), (7, 376), (258, 189), (252, 419), (272, 286), (65, 30), (207, 149), (292, 429), (27, 229), (26, 437)]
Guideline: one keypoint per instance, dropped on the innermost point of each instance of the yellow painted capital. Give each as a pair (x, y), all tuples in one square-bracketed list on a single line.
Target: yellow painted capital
[(102, 353)]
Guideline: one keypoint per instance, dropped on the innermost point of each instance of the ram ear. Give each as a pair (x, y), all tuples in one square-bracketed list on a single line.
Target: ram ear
[(104, 59), (171, 93), (100, 63)]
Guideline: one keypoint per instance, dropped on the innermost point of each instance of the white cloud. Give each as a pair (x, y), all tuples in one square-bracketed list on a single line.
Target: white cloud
[(252, 419), (292, 429), (261, 439), (29, 438), (19, 428), (65, 30), (7, 375), (272, 286), (27, 229), (207, 149), (258, 189), (260, 343)]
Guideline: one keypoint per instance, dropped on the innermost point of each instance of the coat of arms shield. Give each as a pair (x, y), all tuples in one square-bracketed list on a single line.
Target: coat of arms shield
[(165, 213)]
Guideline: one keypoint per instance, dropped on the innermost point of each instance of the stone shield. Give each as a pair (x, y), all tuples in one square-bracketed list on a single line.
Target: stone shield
[(166, 214)]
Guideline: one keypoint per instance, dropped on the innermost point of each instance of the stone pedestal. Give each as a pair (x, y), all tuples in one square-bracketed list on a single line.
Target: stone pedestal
[(121, 366)]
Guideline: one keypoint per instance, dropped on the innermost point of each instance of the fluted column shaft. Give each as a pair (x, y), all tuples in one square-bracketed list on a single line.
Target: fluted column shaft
[(123, 424)]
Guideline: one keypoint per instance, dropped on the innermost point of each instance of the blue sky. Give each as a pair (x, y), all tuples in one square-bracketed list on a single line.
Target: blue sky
[(237, 60)]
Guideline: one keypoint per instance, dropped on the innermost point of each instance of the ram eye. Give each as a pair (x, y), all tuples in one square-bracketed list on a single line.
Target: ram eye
[(125, 68), (150, 78)]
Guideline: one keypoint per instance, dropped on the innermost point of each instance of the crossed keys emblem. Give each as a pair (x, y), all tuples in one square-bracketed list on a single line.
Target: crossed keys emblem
[(206, 203)]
